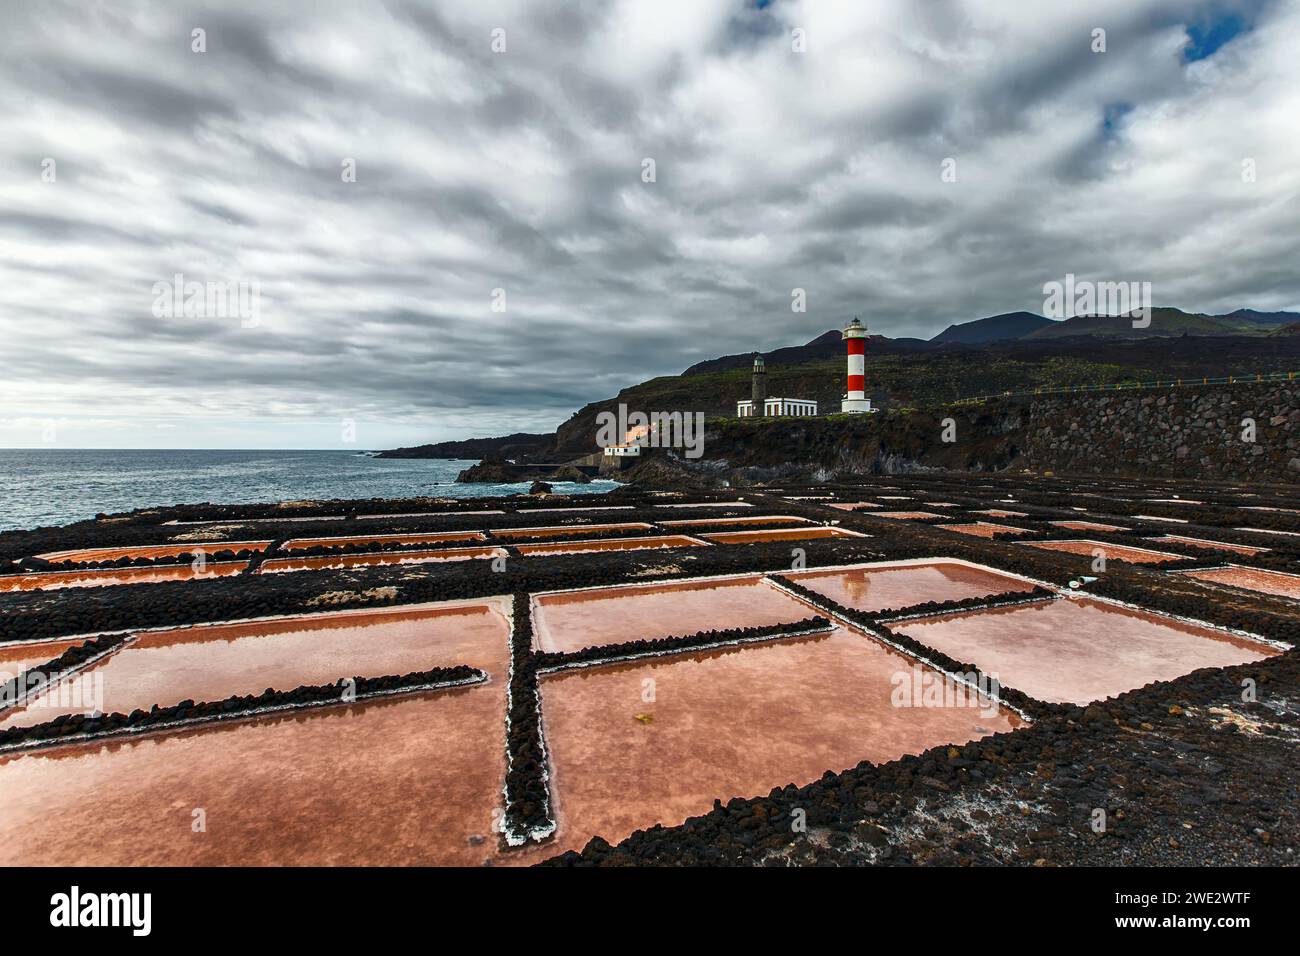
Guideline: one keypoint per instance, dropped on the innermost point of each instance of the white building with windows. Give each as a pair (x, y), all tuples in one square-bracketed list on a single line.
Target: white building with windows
[(774, 407), (628, 450)]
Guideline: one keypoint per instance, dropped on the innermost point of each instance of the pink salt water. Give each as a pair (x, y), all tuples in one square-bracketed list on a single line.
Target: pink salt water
[(1112, 552), (747, 519), (1080, 650), (900, 586), (1087, 526), (572, 620), (723, 724), (553, 531), (441, 537), (213, 662), (322, 562), (55, 580), (854, 505), (980, 529), (1252, 579), (412, 780), (153, 550), (787, 534), (999, 513), (1204, 543), (16, 658), (612, 544)]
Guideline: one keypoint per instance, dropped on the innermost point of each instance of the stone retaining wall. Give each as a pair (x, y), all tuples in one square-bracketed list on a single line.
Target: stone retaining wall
[(1191, 431)]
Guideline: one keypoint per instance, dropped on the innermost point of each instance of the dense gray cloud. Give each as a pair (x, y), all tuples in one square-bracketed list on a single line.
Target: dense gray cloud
[(522, 171)]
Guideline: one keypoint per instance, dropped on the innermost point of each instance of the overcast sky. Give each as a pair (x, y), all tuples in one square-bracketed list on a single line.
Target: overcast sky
[(795, 146)]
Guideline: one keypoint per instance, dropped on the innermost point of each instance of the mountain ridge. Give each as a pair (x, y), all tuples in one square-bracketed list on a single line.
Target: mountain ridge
[(1018, 326), (911, 373)]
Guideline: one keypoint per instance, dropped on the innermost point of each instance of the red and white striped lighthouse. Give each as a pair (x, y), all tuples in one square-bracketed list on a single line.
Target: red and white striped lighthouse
[(855, 400)]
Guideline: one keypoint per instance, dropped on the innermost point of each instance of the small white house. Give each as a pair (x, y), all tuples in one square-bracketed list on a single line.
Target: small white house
[(778, 408)]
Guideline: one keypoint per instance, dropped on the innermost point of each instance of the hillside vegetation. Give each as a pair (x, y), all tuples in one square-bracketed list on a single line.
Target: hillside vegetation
[(923, 379), (1014, 351), (1164, 322)]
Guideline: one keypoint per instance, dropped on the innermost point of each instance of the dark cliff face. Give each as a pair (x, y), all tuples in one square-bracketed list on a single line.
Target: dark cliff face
[(506, 446), (1191, 431), (871, 444)]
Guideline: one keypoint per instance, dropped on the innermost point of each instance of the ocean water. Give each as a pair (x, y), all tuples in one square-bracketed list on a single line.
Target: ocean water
[(49, 486)]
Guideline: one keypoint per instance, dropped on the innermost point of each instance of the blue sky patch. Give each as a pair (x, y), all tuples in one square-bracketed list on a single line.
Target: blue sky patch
[(1207, 37)]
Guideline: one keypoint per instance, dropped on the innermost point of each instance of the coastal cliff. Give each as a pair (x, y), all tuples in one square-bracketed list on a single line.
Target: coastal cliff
[(1247, 432), (505, 446)]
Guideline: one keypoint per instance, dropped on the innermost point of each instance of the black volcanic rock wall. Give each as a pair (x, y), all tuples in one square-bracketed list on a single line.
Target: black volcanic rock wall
[(899, 440), (1187, 432)]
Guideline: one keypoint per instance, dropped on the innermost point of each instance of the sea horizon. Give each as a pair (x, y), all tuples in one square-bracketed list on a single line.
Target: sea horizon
[(58, 486), (4, 448)]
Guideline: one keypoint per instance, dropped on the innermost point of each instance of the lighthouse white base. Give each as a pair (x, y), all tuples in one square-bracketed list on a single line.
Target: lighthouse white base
[(857, 406)]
